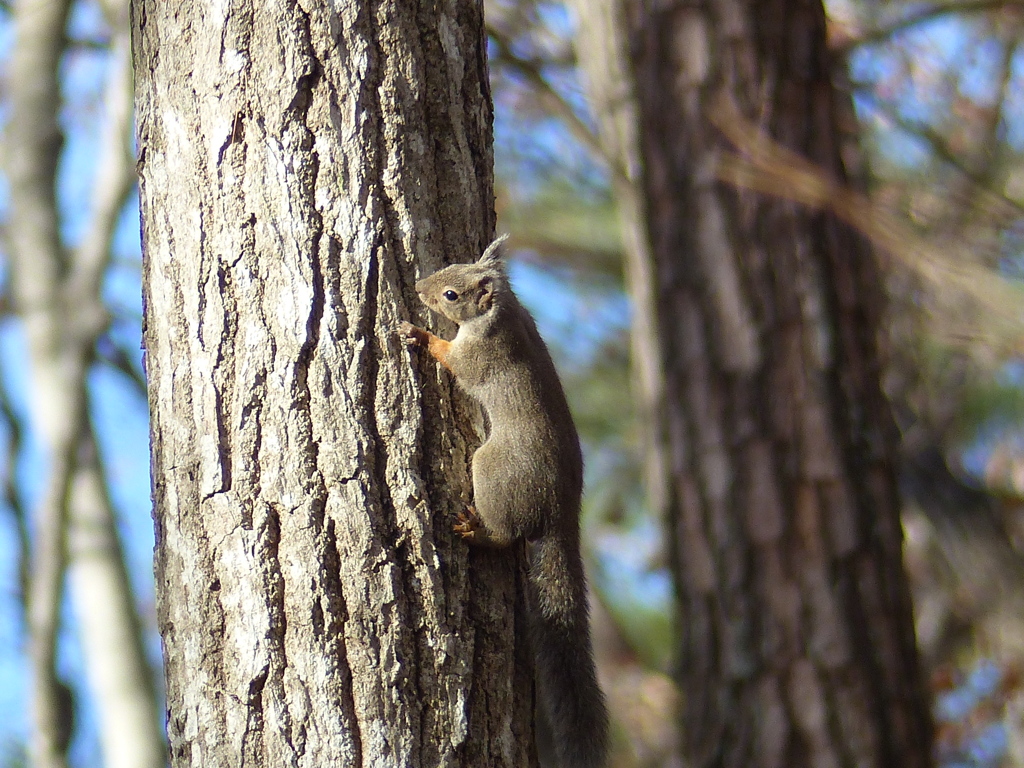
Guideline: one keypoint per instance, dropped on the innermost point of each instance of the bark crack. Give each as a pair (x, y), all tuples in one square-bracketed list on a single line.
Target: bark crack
[(252, 737), (333, 591), (224, 376)]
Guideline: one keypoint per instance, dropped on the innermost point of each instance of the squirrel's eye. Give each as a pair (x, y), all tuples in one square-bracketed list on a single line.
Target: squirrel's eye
[(450, 295)]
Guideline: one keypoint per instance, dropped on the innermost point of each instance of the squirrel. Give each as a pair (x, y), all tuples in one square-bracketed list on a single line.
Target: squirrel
[(527, 483)]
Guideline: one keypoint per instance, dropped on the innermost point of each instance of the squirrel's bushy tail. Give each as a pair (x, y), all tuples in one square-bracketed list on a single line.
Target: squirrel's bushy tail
[(560, 634)]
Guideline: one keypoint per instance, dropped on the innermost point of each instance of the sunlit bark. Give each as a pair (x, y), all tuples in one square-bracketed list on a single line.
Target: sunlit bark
[(300, 167)]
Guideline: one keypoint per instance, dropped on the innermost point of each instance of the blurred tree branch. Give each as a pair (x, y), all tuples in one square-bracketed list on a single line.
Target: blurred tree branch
[(117, 358), (12, 499), (922, 15), (978, 177), (768, 167), (532, 71)]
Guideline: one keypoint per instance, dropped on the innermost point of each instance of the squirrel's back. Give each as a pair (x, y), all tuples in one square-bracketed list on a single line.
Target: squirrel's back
[(527, 483), (528, 411)]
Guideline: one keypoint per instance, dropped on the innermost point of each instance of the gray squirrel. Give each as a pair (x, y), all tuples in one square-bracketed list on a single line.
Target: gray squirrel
[(527, 483)]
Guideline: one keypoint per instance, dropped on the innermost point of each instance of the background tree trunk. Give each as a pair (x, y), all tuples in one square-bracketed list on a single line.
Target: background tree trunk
[(58, 368), (56, 293), (120, 677), (602, 51), (300, 167), (797, 633)]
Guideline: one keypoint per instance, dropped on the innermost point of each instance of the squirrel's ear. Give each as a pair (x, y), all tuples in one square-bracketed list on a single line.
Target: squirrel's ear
[(485, 294), (494, 255)]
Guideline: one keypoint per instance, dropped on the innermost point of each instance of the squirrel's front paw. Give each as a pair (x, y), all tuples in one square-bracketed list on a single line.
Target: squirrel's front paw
[(467, 523), (410, 334)]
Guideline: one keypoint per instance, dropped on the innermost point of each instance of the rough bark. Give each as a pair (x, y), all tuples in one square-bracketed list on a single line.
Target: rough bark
[(797, 643), (300, 166)]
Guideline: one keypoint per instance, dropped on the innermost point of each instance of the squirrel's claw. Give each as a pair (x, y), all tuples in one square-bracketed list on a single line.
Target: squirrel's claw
[(410, 334), (467, 523)]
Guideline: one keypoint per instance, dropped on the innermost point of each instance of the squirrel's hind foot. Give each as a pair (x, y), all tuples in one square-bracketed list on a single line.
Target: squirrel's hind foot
[(467, 523)]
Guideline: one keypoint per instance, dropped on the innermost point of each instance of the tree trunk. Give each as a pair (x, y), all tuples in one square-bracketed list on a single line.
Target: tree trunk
[(300, 167), (56, 293), (111, 635), (33, 141), (797, 643), (602, 51)]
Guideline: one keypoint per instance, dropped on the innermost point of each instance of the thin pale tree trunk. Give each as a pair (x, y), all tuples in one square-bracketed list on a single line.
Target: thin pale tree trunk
[(32, 144), (56, 294), (797, 642), (300, 167), (602, 50), (119, 675)]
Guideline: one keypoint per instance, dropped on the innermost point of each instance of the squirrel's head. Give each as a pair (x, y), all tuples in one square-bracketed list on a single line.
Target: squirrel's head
[(463, 292)]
